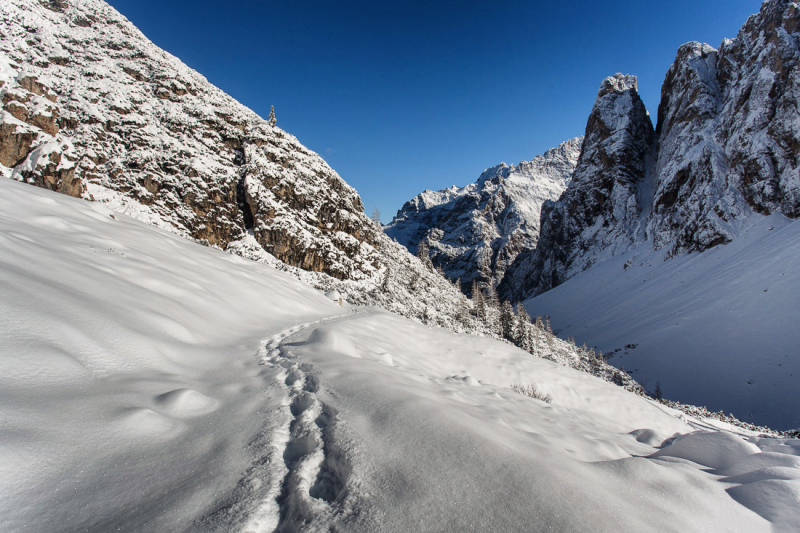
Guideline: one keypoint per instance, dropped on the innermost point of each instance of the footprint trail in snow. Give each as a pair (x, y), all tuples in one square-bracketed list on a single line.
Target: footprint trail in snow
[(299, 475)]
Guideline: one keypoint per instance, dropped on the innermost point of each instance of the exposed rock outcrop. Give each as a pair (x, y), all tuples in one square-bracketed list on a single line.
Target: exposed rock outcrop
[(93, 109), (475, 232), (729, 133), (600, 210), (726, 149)]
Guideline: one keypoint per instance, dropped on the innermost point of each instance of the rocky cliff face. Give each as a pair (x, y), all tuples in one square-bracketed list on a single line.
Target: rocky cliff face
[(475, 232), (726, 147), (729, 133), (600, 211), (91, 108)]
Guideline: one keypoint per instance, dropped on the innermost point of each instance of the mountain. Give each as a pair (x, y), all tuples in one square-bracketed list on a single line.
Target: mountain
[(475, 232), (725, 148), (671, 246), (92, 109), (153, 384)]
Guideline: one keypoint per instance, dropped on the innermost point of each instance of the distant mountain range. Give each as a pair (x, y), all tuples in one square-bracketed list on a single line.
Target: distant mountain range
[(475, 232)]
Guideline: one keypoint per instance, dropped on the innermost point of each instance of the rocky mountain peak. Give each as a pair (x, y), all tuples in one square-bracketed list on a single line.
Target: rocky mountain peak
[(726, 146), (728, 130), (600, 209), (618, 83), (474, 232)]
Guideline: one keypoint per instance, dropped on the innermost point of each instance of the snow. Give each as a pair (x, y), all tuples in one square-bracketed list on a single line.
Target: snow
[(716, 328), (129, 390), (149, 383)]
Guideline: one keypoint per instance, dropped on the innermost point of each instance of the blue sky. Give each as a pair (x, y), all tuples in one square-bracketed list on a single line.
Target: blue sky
[(406, 96)]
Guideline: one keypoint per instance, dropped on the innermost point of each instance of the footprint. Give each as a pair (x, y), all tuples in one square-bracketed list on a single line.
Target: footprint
[(312, 383), (298, 447), (300, 403), (335, 469)]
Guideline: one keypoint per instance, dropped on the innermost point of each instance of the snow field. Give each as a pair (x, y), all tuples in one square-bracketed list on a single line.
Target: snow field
[(717, 329), (131, 399), (446, 446), (128, 388)]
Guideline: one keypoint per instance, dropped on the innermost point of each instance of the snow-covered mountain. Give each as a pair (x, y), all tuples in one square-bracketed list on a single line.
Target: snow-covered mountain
[(725, 147), (678, 241), (475, 232), (91, 108), (152, 384), (148, 383)]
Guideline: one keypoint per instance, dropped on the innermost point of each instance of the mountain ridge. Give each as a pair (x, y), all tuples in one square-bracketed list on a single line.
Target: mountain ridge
[(725, 146), (474, 232)]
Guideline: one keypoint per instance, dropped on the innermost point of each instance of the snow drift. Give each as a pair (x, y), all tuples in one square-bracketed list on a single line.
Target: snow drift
[(149, 383)]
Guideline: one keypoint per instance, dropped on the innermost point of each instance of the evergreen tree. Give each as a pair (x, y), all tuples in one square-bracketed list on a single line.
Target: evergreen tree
[(462, 314), (423, 253), (478, 301), (507, 321), (376, 217), (272, 121), (658, 390), (413, 283), (385, 281), (524, 336), (491, 296)]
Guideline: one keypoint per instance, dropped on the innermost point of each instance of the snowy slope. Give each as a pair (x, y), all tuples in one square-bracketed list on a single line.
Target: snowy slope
[(91, 108), (475, 232), (721, 163), (716, 329), (129, 390), (133, 398)]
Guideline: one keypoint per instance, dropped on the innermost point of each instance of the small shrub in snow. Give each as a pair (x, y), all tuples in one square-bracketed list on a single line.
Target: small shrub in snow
[(532, 391)]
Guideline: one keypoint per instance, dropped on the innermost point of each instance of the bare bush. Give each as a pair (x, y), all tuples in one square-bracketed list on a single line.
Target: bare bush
[(532, 391)]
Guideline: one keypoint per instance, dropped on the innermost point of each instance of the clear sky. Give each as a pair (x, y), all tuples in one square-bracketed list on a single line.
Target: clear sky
[(404, 96)]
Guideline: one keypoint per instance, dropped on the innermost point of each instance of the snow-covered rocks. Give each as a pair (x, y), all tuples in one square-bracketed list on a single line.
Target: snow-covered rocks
[(475, 232), (145, 387), (92, 108), (725, 147), (728, 130), (598, 214)]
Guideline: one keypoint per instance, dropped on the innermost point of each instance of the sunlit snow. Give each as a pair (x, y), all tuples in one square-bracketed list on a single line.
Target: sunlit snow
[(149, 383)]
